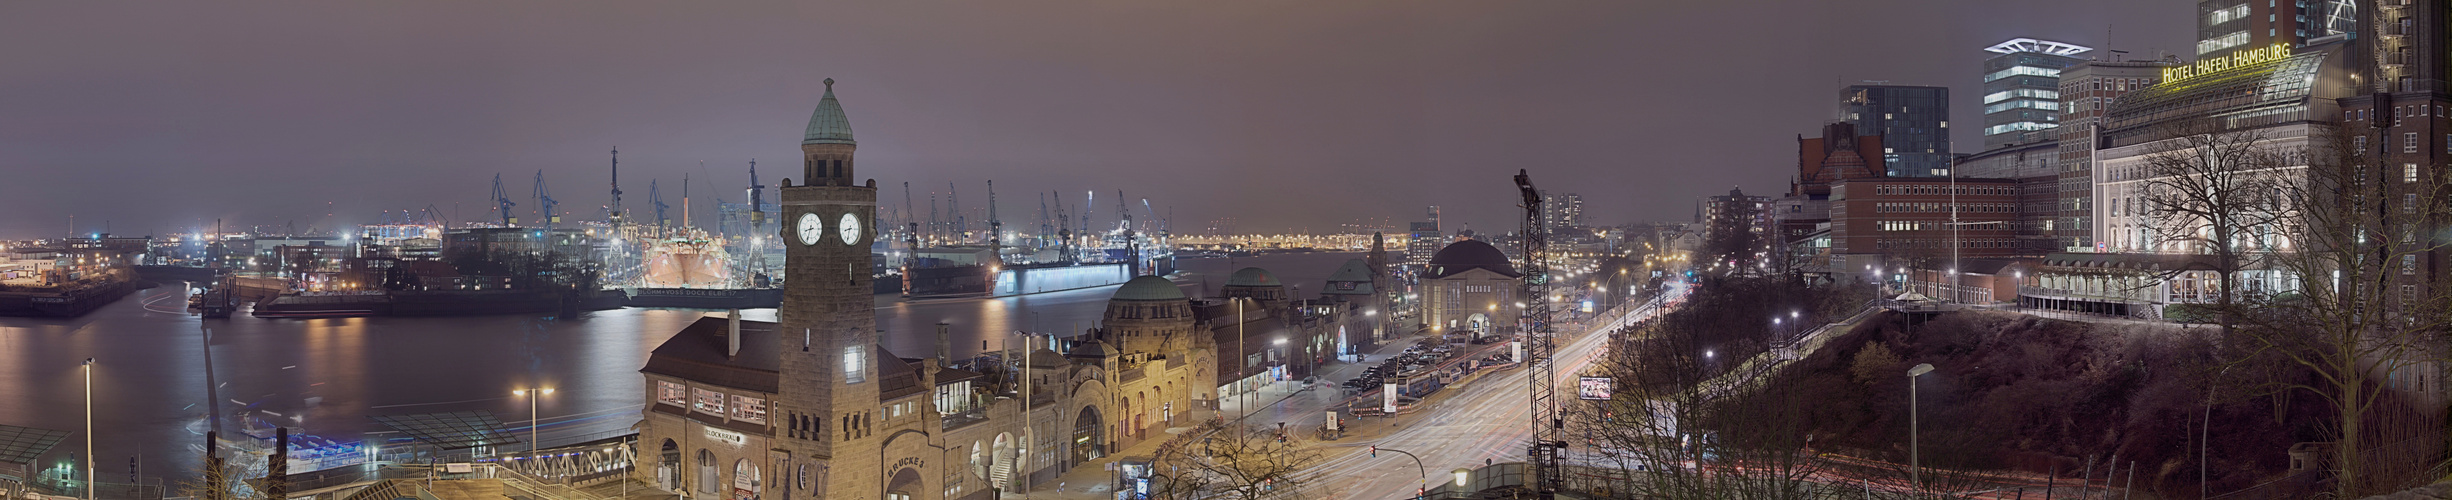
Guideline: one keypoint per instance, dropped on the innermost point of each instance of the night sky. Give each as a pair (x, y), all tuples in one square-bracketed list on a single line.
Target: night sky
[(1288, 115)]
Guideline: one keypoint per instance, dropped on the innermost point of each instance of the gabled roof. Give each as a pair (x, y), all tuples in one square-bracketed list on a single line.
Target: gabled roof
[(1355, 272), (697, 354)]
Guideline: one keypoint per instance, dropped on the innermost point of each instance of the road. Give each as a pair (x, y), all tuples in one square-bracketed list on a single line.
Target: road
[(1482, 422)]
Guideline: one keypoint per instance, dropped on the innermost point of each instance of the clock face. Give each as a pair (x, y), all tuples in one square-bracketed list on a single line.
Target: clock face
[(811, 230), (849, 228)]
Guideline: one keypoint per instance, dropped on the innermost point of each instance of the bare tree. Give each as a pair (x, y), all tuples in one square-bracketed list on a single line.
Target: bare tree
[(2366, 318), (1232, 462), (2218, 192), (1674, 426)]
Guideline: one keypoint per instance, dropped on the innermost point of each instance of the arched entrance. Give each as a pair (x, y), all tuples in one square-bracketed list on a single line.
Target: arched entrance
[(905, 485), (668, 466), (1000, 464), (1087, 443), (746, 482), (1479, 324), (708, 483)]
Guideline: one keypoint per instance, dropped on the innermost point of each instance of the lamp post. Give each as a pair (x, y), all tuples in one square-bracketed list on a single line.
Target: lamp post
[(89, 428), (1915, 459), (532, 393), (1243, 363)]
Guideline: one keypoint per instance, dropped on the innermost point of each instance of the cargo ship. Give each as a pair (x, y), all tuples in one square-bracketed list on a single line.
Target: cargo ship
[(693, 271)]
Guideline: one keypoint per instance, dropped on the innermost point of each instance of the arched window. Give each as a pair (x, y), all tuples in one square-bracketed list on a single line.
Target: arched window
[(707, 479)]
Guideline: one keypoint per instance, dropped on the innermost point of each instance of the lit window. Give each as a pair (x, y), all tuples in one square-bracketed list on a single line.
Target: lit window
[(709, 402), (854, 362), (2409, 171), (748, 409), (672, 393)]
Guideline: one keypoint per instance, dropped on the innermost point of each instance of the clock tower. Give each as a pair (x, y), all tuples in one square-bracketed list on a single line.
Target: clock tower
[(830, 444)]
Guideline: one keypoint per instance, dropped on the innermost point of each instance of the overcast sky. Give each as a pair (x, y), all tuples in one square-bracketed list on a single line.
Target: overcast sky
[(1285, 114)]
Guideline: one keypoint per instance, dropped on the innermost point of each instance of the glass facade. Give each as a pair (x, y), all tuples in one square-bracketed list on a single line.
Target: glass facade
[(2022, 93), (1914, 123)]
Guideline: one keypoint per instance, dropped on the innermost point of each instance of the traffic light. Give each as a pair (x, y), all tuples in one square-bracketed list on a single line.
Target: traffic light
[(1374, 451)]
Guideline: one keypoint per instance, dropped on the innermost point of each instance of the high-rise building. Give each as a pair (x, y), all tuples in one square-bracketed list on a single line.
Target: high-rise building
[(1737, 227), (1424, 241), (2400, 118), (2086, 89), (1562, 210), (1914, 123), (2022, 89), (2226, 26)]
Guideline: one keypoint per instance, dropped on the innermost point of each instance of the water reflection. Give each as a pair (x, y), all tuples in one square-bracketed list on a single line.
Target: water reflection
[(159, 375)]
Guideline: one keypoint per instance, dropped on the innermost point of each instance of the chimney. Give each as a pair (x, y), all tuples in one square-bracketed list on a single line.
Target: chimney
[(944, 347), (732, 333)]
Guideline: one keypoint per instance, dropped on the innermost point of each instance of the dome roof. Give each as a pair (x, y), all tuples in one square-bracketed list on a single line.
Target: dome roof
[(1149, 288), (1467, 255), (1253, 276), (828, 125)]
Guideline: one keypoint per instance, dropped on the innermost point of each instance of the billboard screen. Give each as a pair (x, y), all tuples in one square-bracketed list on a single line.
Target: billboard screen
[(1594, 387)]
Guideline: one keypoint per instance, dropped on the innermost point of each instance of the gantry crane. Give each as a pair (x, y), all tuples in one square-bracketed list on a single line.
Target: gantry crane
[(545, 202), (503, 204), (656, 199), (1548, 436)]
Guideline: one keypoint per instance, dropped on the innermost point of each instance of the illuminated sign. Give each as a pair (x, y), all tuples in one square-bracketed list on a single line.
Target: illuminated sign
[(2241, 58), (726, 437)]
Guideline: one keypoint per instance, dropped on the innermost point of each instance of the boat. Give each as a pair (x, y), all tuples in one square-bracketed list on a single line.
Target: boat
[(692, 271)]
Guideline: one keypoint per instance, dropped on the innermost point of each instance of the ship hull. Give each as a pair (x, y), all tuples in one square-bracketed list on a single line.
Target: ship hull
[(706, 298)]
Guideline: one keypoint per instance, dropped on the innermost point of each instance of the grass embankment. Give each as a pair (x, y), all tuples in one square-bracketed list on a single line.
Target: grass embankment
[(2012, 391)]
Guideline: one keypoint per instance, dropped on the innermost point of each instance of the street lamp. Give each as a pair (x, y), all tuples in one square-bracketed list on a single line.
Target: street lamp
[(532, 394), (1461, 474), (88, 366), (1915, 461)]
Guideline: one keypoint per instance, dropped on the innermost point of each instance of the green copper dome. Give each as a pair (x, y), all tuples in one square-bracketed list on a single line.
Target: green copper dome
[(1149, 288), (828, 125)]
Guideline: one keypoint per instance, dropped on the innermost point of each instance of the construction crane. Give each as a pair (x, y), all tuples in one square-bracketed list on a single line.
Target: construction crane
[(757, 199), (436, 215), (614, 212), (953, 215), (1045, 231), (545, 201), (503, 204), (757, 221), (996, 226), (656, 199), (1548, 436)]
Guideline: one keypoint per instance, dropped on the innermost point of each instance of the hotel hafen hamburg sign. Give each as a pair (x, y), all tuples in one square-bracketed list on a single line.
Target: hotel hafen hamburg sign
[(2241, 58)]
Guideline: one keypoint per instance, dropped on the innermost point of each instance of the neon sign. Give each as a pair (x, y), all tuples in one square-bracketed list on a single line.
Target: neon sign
[(2241, 58)]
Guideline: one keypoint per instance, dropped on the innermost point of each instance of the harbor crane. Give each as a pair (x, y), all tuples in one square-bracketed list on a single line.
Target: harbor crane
[(1548, 433), (656, 199), (996, 227), (503, 204), (545, 202), (614, 212)]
